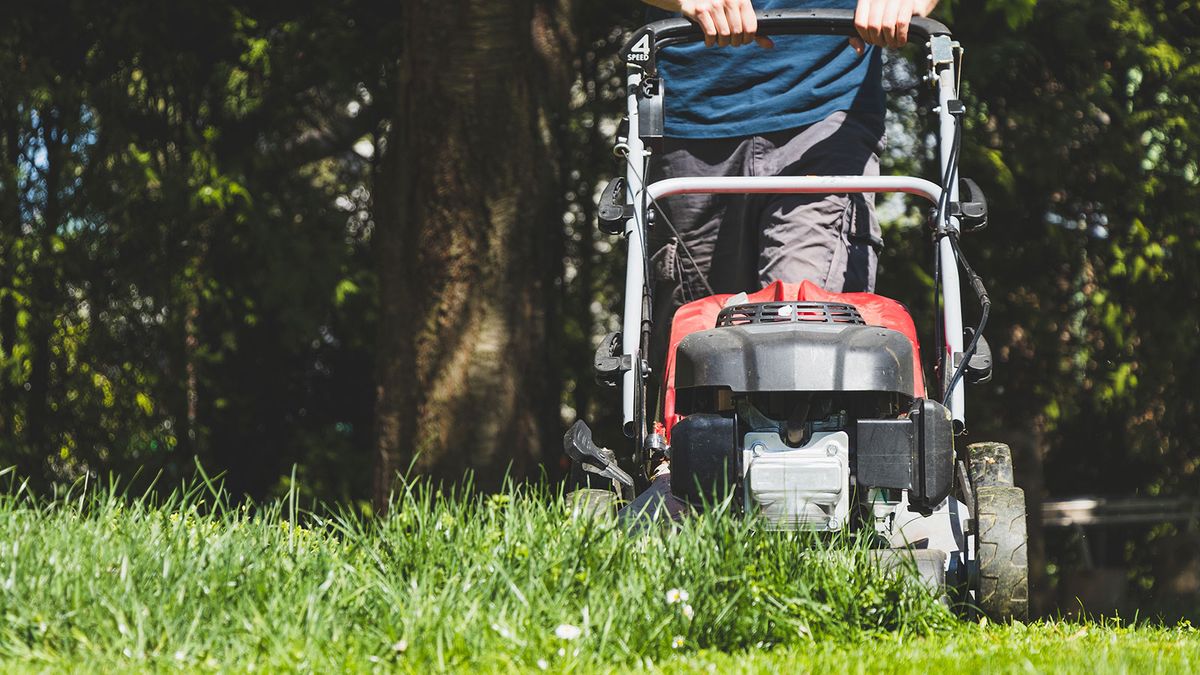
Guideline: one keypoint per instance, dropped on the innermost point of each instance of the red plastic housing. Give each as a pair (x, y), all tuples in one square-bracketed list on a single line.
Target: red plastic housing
[(701, 314)]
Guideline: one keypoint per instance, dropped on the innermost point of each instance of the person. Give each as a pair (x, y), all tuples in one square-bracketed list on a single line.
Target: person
[(795, 105), (786, 105)]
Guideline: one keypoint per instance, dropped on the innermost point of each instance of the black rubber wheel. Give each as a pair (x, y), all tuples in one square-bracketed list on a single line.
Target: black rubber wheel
[(990, 465), (593, 503), (1003, 553)]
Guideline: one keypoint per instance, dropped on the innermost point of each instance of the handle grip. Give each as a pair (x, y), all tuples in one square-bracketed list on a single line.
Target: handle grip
[(643, 47)]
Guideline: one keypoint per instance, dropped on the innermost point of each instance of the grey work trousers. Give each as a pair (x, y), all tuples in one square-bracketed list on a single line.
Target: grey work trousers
[(744, 242)]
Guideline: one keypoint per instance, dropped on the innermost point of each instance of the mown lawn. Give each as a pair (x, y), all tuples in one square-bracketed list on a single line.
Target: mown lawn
[(1044, 647), (95, 580)]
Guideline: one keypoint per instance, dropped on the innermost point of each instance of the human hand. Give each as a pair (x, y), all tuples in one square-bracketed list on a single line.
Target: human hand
[(725, 22), (884, 23)]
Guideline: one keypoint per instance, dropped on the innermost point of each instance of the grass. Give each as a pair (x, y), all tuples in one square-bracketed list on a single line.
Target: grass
[(95, 580), (1044, 647)]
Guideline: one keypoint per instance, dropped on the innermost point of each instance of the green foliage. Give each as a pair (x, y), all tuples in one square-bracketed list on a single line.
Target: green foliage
[(1084, 118), (181, 239)]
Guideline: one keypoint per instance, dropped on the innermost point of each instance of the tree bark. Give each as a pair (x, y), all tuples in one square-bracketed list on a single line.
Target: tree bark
[(466, 208)]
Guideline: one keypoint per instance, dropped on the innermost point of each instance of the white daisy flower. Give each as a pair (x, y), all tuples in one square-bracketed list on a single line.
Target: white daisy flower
[(677, 642), (689, 612), (676, 595), (566, 631)]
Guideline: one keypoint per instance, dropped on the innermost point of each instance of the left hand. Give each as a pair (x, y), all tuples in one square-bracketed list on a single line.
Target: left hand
[(884, 23)]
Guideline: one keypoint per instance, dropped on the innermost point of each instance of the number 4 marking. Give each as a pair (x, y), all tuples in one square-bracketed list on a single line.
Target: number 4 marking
[(642, 46)]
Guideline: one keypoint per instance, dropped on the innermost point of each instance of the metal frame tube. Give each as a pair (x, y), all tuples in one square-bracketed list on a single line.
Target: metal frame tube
[(794, 185), (635, 234), (952, 321)]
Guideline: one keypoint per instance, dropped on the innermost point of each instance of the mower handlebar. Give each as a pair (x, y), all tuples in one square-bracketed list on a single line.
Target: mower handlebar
[(645, 43)]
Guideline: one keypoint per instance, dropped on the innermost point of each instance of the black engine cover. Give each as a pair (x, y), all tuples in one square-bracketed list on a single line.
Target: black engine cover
[(796, 357), (704, 464), (914, 453)]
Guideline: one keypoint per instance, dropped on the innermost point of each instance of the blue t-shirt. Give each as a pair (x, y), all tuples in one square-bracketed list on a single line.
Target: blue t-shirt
[(727, 92)]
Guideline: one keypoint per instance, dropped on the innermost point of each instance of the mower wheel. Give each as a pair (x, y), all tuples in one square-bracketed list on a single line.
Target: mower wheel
[(990, 465), (1003, 555), (592, 503)]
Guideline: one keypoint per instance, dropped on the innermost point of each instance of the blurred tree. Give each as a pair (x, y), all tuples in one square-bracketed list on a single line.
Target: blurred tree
[(468, 240)]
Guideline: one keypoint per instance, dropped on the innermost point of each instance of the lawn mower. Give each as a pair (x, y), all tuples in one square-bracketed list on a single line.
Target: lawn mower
[(805, 407)]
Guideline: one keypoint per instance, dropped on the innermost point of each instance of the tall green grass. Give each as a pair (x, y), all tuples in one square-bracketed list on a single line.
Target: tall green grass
[(509, 581)]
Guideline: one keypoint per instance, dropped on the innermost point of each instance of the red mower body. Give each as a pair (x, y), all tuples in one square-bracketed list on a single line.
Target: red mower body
[(701, 314)]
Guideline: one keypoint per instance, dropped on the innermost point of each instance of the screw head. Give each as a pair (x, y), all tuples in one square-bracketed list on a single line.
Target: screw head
[(831, 449)]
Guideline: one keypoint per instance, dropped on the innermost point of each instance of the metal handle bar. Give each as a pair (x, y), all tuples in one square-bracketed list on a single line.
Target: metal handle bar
[(794, 185), (645, 43)]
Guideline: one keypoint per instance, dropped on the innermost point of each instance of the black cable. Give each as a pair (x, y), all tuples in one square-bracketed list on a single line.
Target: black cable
[(976, 282), (985, 305), (647, 280), (943, 205), (939, 333), (686, 250), (941, 222), (662, 213)]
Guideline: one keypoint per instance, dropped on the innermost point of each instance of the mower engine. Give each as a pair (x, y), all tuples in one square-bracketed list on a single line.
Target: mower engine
[(798, 409), (798, 488)]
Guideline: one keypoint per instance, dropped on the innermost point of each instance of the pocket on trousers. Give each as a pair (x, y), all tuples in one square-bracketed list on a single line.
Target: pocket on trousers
[(862, 239), (665, 263), (859, 223)]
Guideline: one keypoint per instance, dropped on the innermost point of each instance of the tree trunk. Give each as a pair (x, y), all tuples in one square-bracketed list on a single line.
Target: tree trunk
[(466, 209)]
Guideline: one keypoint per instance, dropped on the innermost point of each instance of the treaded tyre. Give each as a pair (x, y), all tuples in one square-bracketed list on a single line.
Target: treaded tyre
[(592, 503), (1002, 551), (990, 465)]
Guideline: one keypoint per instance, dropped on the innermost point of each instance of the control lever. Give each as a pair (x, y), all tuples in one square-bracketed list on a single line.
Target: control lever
[(592, 458)]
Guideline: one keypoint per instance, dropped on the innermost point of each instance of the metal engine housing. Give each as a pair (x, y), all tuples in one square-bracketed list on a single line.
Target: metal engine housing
[(798, 488)]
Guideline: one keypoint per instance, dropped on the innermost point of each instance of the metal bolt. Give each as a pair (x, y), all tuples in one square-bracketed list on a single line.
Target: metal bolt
[(758, 449), (833, 522), (831, 449)]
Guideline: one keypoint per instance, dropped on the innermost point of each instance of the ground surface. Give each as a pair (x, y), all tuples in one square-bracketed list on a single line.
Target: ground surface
[(93, 580), (1046, 647)]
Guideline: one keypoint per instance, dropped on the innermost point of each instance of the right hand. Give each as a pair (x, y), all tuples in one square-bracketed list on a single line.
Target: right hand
[(725, 22)]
